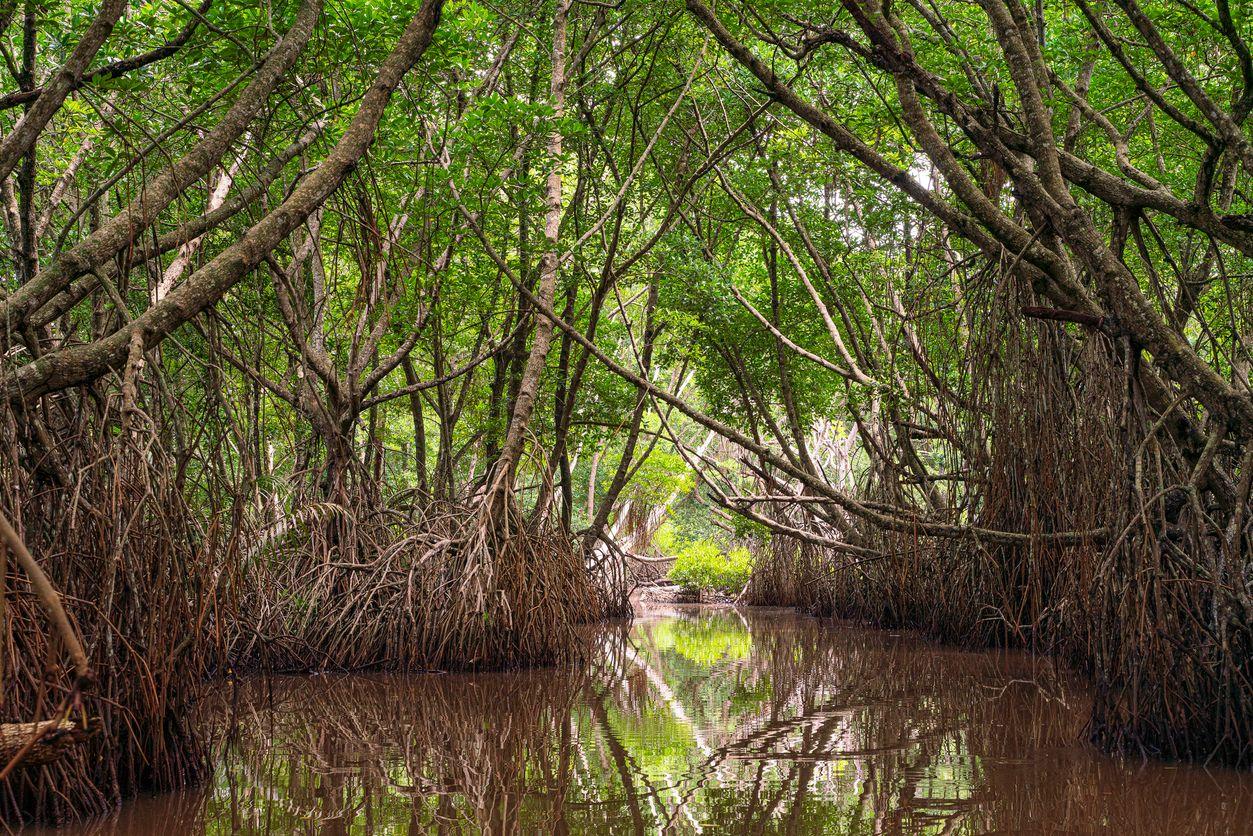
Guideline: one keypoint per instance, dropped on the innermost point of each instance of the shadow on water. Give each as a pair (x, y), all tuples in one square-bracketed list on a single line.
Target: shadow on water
[(690, 720)]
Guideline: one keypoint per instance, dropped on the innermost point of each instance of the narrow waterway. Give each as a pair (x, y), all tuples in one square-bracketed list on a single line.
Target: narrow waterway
[(691, 720)]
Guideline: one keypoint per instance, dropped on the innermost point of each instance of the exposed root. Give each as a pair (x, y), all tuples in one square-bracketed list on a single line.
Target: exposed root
[(115, 537), (435, 587), (1158, 617)]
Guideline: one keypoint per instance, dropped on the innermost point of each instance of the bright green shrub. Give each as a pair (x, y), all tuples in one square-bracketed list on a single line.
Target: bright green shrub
[(703, 565)]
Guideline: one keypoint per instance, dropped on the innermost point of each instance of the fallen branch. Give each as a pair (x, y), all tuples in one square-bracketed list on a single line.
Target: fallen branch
[(39, 743)]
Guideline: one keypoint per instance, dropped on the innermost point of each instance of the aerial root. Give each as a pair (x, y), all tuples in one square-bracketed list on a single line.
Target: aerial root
[(445, 585)]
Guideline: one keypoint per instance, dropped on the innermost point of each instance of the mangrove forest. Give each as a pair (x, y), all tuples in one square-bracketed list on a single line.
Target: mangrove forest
[(610, 416)]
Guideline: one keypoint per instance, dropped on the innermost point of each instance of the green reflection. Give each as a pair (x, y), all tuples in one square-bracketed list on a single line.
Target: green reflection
[(706, 641)]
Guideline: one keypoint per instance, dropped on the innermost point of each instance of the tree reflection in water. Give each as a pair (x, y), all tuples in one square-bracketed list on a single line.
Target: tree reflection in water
[(713, 720)]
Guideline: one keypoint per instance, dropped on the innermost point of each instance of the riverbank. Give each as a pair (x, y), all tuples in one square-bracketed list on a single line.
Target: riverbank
[(662, 593)]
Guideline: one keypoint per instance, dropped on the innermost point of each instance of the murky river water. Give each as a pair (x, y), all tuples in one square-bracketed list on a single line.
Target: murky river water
[(693, 721)]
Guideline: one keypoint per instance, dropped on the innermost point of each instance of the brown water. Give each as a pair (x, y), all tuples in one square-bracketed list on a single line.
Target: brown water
[(692, 721)]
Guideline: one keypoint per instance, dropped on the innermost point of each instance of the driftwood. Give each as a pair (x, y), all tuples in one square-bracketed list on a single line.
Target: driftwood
[(38, 743)]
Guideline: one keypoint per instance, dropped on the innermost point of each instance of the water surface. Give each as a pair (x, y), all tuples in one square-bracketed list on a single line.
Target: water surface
[(692, 720)]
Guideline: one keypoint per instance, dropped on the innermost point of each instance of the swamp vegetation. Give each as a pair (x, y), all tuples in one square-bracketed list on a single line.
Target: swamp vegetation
[(411, 335)]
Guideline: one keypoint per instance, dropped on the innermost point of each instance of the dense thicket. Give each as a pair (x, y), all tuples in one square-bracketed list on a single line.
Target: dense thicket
[(391, 334)]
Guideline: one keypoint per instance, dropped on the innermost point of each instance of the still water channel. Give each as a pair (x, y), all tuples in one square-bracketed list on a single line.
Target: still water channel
[(688, 721)]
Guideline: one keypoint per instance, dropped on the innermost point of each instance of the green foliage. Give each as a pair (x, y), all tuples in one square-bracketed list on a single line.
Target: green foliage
[(746, 529), (662, 475), (703, 565)]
